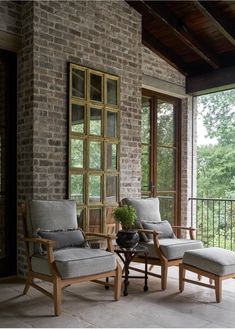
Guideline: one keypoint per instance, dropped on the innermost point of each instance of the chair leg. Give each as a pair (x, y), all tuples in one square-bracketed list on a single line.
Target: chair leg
[(57, 289), (218, 289), (181, 277), (27, 284), (164, 270), (118, 282)]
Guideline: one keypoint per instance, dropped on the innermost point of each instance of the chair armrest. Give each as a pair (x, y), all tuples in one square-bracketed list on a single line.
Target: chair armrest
[(190, 229), (109, 238), (46, 242), (141, 230), (184, 228)]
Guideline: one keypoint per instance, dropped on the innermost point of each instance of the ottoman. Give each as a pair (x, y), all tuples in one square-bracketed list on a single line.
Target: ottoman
[(214, 263)]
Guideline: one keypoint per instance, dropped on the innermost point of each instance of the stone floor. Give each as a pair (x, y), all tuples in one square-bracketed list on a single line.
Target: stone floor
[(91, 306)]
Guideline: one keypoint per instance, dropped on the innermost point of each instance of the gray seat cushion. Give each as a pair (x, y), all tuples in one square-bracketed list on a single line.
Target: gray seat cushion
[(172, 248), (146, 209), (76, 262), (213, 260)]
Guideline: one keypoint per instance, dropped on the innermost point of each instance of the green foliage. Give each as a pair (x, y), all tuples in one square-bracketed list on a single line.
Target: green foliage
[(216, 171), (126, 215), (218, 112)]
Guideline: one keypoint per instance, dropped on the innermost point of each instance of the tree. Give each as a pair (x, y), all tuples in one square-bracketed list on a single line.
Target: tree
[(216, 170), (218, 113)]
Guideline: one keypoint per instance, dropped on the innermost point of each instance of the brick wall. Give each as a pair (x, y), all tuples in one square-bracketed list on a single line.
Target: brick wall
[(10, 13), (104, 35), (157, 67)]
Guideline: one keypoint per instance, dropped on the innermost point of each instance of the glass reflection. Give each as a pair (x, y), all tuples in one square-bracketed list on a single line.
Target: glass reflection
[(95, 220), (95, 155), (145, 120), (112, 91), (111, 124), (78, 83), (94, 189), (145, 168), (95, 87), (77, 188), (95, 121), (111, 160), (167, 207), (166, 169), (165, 123), (111, 189), (78, 113), (76, 153)]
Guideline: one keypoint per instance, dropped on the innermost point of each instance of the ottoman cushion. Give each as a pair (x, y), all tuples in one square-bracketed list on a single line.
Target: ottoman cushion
[(213, 260)]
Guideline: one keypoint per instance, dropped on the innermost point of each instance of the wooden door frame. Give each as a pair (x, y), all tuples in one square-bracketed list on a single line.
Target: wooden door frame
[(153, 154)]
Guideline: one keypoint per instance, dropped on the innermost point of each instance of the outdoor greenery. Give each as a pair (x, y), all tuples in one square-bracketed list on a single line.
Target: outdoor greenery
[(216, 170)]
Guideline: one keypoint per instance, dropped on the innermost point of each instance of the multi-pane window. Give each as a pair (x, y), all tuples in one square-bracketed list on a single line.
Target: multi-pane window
[(94, 146), (161, 152)]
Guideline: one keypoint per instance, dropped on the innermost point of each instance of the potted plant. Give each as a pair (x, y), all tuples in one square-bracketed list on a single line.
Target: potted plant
[(128, 236)]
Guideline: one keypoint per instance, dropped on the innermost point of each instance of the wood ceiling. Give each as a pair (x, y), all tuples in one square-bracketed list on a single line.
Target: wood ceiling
[(196, 37)]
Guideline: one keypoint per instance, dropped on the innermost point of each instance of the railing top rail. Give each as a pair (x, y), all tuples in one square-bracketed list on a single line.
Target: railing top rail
[(212, 199)]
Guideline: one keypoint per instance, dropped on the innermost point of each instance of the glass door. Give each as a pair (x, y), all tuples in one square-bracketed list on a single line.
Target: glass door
[(7, 163), (161, 152)]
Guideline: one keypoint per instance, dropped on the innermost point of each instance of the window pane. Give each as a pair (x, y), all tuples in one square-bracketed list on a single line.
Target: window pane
[(167, 207), (166, 169), (78, 83), (81, 216), (95, 220), (78, 118), (111, 158), (145, 179), (95, 121), (77, 188), (145, 120), (111, 124), (95, 155), (94, 189), (112, 91), (111, 189), (95, 87), (110, 222), (76, 153), (165, 124)]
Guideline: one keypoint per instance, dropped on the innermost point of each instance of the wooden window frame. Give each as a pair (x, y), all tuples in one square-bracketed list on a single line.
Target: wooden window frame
[(104, 139)]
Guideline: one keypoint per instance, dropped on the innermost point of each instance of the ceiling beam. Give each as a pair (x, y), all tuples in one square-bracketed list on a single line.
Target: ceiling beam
[(218, 80), (209, 10), (164, 52), (156, 9)]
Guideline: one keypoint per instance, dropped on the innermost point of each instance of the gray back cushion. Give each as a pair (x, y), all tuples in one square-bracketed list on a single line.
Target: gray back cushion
[(146, 209), (51, 215), (163, 228), (64, 239)]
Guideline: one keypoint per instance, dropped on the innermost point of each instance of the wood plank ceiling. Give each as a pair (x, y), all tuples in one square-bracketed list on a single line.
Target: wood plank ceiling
[(196, 37)]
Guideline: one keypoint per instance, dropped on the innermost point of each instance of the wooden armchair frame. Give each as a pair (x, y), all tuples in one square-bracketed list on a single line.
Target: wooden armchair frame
[(57, 281), (162, 261)]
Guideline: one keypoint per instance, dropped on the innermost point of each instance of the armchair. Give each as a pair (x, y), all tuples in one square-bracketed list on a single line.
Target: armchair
[(165, 249), (58, 253)]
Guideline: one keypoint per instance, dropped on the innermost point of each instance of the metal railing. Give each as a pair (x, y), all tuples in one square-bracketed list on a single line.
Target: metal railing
[(215, 221)]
